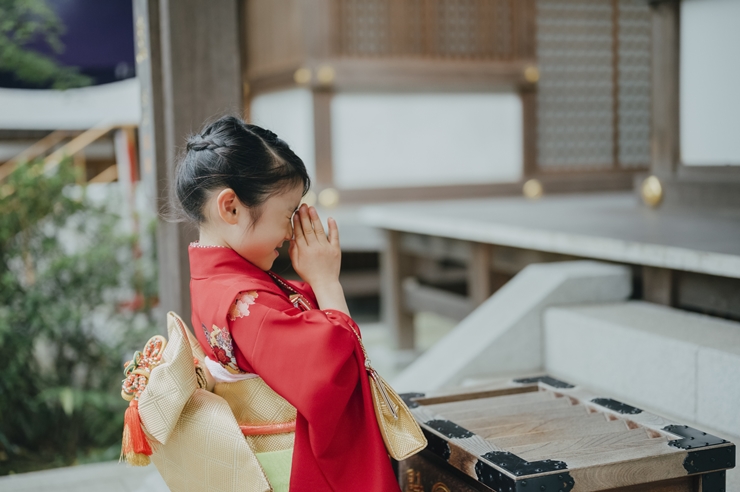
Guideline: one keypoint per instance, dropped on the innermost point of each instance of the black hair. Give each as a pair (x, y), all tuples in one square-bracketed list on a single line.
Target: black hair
[(229, 153)]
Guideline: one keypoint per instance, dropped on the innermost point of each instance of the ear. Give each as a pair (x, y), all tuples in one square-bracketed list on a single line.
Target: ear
[(227, 204)]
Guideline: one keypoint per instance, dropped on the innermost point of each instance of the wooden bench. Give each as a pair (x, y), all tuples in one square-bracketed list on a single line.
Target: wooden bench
[(542, 434)]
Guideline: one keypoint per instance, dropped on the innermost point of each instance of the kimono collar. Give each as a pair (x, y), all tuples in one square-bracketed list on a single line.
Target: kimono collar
[(211, 261)]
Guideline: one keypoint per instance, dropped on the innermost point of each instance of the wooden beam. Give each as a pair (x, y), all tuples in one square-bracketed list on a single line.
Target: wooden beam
[(400, 74), (76, 145), (108, 175), (552, 182)]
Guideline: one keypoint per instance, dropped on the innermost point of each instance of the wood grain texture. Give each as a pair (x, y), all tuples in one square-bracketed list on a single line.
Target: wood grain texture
[(687, 484), (589, 428), (492, 402), (644, 419), (540, 408), (471, 392), (483, 421), (602, 449), (565, 448), (452, 397), (529, 425), (626, 467)]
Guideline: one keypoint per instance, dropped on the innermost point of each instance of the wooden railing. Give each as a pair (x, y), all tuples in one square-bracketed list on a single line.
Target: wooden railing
[(73, 148)]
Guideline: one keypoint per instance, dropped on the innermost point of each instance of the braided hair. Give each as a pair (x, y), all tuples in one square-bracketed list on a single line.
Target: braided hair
[(230, 153)]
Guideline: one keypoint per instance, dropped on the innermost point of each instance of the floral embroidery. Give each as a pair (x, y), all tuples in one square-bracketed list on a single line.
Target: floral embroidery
[(240, 308), (223, 347)]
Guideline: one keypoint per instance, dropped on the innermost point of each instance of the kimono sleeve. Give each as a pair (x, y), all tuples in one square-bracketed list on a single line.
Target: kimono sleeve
[(306, 357), (314, 361)]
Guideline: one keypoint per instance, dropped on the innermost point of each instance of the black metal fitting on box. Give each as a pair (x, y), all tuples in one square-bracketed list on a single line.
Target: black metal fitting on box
[(550, 381), (408, 399), (714, 482), (436, 445), (489, 476), (616, 406)]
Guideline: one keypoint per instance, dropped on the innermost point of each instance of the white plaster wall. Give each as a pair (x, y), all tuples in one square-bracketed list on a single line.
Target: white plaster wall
[(289, 113), (400, 139), (710, 82)]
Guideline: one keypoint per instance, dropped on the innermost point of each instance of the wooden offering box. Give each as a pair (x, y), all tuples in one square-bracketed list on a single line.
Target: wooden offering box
[(542, 434)]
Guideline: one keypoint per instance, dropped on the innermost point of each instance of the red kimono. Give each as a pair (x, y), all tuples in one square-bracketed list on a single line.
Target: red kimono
[(310, 358)]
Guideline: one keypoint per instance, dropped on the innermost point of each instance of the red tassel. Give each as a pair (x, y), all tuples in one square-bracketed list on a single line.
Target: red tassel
[(135, 447)]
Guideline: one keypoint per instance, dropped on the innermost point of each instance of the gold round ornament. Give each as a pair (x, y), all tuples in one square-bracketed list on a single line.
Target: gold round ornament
[(302, 76), (325, 74), (533, 189), (329, 198), (532, 74), (651, 191)]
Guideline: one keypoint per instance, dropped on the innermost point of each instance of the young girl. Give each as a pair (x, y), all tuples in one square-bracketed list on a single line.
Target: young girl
[(243, 186)]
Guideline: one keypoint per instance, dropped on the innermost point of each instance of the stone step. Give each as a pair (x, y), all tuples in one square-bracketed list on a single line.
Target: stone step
[(109, 477), (672, 362)]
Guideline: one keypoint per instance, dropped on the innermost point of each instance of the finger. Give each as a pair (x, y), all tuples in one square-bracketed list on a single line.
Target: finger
[(318, 227), (308, 231), (333, 232), (298, 230), (291, 249)]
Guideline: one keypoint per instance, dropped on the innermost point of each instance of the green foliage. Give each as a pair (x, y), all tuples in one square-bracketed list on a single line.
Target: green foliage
[(64, 272), (22, 22)]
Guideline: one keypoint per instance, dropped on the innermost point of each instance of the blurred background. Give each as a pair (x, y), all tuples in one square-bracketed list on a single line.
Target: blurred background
[(457, 142)]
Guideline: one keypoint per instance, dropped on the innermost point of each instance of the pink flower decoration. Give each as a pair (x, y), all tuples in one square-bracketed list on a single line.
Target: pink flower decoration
[(240, 308)]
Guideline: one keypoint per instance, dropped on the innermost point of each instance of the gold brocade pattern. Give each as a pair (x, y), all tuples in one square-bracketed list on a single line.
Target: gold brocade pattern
[(206, 451), (254, 402), (402, 435), (196, 438), (171, 384), (275, 442)]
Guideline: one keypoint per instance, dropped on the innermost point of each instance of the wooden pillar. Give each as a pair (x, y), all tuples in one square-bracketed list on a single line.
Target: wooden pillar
[(658, 285), (529, 130), (188, 55), (322, 138), (393, 270), (479, 273), (665, 87)]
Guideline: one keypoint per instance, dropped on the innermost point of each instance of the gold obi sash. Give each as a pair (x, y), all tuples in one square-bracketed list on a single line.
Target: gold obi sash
[(205, 435), (265, 418)]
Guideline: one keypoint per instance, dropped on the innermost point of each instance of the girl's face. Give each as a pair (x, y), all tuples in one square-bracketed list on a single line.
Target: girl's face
[(231, 224)]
